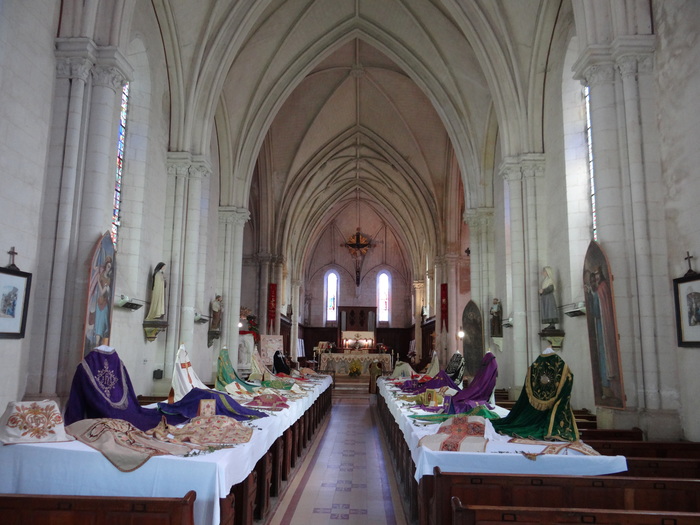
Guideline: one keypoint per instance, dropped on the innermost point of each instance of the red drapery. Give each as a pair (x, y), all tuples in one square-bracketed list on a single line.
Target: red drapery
[(443, 305), (271, 306)]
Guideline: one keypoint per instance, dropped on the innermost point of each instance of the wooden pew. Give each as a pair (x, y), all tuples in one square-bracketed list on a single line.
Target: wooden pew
[(662, 468), (647, 449), (608, 434), (520, 490), (489, 515), (23, 509)]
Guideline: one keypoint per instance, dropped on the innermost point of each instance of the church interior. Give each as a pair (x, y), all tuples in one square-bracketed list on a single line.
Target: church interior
[(222, 195)]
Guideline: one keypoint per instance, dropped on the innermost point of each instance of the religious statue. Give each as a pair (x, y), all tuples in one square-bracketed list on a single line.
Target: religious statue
[(549, 314), (496, 312), (157, 309), (217, 309)]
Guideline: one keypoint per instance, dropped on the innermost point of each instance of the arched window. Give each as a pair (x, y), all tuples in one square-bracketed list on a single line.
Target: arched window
[(591, 173), (580, 187), (331, 285), (121, 139), (383, 297)]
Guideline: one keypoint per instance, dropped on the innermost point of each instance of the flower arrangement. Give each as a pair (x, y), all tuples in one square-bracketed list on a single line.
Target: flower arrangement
[(355, 368)]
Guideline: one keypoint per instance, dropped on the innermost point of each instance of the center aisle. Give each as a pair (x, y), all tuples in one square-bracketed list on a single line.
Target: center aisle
[(345, 476)]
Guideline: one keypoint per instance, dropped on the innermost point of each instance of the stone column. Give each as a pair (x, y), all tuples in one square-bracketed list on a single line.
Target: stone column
[(532, 169), (72, 72), (96, 194), (510, 170), (419, 294), (454, 308), (294, 319), (194, 172), (644, 291), (480, 222), (234, 220)]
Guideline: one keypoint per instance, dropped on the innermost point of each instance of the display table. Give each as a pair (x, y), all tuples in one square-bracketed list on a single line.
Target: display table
[(499, 458), (73, 468), (340, 363)]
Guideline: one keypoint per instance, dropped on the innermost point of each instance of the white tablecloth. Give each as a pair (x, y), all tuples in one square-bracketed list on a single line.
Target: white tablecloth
[(75, 469), (499, 458)]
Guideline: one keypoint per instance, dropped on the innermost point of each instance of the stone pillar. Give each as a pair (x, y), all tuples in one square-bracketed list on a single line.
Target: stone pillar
[(234, 220), (440, 332), (510, 170), (419, 294), (294, 319), (96, 196), (532, 169), (454, 308), (191, 172), (480, 222), (72, 72), (640, 230)]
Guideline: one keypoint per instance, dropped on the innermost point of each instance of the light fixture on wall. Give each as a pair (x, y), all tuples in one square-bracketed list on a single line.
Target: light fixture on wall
[(574, 309), (124, 301), (460, 334)]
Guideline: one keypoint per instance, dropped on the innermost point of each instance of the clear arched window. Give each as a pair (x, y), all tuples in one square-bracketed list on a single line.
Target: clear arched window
[(383, 297), (331, 286)]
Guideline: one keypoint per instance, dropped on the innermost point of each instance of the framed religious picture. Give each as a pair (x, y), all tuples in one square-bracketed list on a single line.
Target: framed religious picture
[(687, 296), (14, 302)]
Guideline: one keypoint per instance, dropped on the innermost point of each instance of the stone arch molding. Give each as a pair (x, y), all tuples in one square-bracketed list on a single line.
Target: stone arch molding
[(326, 179), (223, 72)]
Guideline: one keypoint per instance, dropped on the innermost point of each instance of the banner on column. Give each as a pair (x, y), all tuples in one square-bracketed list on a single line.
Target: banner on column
[(443, 305), (271, 306)]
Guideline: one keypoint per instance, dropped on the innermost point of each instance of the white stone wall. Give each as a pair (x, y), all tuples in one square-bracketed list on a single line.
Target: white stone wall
[(678, 83), (27, 74)]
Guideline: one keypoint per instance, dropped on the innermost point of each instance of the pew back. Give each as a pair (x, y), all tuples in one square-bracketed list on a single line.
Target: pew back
[(489, 515), (647, 449), (21, 509), (605, 492)]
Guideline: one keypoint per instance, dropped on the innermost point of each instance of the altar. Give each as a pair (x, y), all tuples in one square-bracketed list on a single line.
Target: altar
[(340, 363)]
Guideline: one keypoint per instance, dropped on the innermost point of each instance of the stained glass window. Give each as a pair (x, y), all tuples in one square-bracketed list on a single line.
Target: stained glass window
[(589, 144), (116, 213)]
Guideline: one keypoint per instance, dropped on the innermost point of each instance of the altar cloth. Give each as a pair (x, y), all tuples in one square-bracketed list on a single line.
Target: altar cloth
[(340, 363)]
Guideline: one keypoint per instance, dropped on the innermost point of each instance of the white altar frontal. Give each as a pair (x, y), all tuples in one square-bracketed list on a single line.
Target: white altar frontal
[(340, 363)]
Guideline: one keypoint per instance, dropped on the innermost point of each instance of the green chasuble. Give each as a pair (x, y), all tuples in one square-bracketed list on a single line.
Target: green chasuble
[(543, 410)]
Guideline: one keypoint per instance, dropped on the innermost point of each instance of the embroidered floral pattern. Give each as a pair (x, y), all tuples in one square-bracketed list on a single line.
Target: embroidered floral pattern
[(35, 421), (106, 379)]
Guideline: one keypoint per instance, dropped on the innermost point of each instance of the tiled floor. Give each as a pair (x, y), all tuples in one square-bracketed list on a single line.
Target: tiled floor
[(344, 477)]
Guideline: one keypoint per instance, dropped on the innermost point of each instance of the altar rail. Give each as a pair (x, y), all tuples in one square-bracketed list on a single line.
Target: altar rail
[(19, 509)]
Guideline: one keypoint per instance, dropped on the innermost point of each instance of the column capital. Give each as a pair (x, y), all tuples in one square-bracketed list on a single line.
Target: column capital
[(599, 74), (264, 257), (478, 218), (233, 215), (73, 67), (184, 164), (627, 65), (296, 283), (510, 169), (109, 77), (419, 285)]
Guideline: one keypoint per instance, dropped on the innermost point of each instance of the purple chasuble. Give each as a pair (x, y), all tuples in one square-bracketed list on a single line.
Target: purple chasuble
[(441, 379), (102, 389), (480, 389), (188, 406)]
